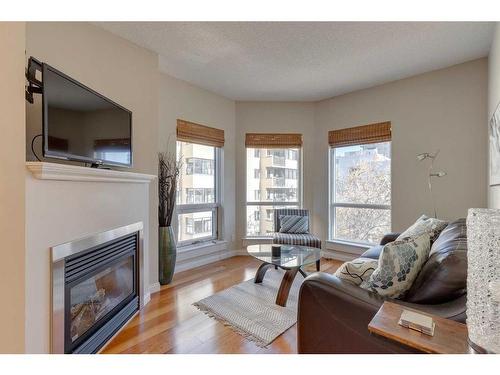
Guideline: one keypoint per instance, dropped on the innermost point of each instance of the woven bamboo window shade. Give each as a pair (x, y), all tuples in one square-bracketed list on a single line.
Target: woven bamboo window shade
[(200, 134), (372, 133), (273, 140)]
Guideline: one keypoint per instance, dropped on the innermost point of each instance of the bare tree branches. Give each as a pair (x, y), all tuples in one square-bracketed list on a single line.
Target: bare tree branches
[(367, 183)]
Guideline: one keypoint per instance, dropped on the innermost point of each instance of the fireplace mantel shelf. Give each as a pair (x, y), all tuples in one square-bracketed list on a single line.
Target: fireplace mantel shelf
[(66, 172)]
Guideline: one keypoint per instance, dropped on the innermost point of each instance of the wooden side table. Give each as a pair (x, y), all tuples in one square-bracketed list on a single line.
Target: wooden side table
[(450, 337)]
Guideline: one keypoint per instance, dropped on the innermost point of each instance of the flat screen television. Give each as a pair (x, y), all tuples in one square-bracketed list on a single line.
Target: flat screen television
[(80, 124)]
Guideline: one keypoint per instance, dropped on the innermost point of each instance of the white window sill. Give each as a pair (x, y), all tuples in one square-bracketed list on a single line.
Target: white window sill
[(201, 245), (347, 247)]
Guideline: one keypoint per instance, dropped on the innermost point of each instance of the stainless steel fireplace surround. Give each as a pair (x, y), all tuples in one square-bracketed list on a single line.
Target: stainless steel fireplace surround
[(96, 288)]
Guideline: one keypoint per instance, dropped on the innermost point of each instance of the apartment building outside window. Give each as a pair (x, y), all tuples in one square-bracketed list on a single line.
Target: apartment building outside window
[(273, 178), (360, 190), (276, 185), (197, 195), (199, 166)]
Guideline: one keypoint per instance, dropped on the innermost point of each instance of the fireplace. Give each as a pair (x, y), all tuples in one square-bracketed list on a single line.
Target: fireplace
[(95, 288)]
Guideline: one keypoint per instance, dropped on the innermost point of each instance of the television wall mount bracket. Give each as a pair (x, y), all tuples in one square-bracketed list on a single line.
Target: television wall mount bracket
[(34, 86)]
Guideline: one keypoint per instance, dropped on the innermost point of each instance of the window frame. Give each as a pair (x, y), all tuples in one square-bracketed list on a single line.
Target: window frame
[(332, 205), (214, 207), (273, 205)]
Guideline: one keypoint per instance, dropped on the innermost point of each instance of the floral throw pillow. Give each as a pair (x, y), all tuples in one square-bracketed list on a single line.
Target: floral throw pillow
[(398, 266), (425, 224), (357, 270)]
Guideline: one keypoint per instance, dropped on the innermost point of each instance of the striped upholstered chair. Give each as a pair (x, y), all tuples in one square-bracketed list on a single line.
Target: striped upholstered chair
[(306, 239)]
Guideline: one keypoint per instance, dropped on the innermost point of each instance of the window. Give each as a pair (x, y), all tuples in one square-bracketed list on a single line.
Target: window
[(276, 185), (201, 195), (257, 195), (269, 214), (197, 196), (198, 225), (199, 166), (360, 196)]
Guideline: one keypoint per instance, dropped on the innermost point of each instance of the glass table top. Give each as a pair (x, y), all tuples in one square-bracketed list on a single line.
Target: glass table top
[(291, 255)]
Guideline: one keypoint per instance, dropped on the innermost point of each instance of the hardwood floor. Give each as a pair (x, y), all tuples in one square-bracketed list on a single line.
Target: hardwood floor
[(170, 324)]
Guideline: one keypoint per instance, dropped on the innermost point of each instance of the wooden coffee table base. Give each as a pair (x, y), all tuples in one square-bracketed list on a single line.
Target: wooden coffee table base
[(285, 286), (286, 283)]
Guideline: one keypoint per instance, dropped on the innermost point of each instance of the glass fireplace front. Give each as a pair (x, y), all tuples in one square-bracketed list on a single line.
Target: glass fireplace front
[(92, 298), (100, 293)]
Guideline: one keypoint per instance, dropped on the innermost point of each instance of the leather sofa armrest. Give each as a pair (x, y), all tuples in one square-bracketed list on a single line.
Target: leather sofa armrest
[(389, 237), (333, 317)]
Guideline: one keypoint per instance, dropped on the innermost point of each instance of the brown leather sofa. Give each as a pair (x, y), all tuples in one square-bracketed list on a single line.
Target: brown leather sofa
[(333, 314)]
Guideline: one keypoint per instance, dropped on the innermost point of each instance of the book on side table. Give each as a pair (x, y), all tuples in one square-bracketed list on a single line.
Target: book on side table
[(449, 337)]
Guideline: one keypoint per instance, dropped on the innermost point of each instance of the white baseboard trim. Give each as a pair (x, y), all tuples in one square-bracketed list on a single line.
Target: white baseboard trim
[(201, 260), (155, 287), (241, 252), (146, 300)]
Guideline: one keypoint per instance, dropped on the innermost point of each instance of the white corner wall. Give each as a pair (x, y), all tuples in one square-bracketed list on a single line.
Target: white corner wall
[(493, 101)]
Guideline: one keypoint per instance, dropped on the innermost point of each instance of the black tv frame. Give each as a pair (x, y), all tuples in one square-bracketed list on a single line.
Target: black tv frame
[(71, 157)]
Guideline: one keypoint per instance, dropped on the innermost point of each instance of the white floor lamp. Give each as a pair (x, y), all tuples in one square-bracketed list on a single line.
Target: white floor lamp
[(432, 157)]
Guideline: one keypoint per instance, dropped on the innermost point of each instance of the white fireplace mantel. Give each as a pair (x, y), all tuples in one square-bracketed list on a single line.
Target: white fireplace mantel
[(66, 172)]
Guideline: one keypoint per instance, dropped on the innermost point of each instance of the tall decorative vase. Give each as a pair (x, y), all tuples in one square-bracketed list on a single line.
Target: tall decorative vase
[(167, 254), (483, 279)]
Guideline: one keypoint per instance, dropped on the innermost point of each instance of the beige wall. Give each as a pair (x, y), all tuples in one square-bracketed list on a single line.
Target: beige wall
[(12, 187), (286, 117), (445, 110), (179, 99), (127, 74), (493, 100)]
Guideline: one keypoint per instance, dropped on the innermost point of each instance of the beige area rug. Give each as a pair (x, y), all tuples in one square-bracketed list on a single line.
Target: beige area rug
[(250, 309)]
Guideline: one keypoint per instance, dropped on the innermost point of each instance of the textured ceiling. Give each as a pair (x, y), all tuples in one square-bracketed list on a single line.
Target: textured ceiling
[(303, 61)]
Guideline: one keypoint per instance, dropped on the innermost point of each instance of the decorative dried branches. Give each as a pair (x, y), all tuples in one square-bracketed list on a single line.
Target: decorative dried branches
[(169, 169)]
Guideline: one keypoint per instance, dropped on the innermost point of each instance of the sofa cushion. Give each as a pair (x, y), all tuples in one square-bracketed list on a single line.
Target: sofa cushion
[(294, 224), (444, 276), (296, 239), (424, 224), (398, 266), (358, 270)]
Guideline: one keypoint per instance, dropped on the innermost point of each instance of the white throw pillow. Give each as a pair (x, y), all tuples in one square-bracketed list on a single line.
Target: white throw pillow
[(398, 266), (425, 224), (357, 270)]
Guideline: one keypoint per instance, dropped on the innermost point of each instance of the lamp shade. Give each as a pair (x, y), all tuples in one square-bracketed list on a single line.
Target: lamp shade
[(483, 279)]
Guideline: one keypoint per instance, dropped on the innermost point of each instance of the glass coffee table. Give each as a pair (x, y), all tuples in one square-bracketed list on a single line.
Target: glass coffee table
[(292, 259)]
